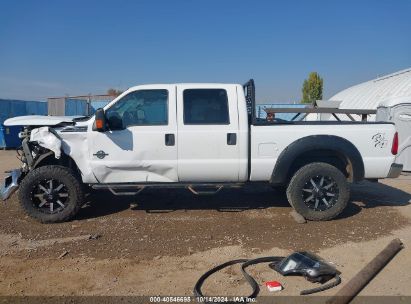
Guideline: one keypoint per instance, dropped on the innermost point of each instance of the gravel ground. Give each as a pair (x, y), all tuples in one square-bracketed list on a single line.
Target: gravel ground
[(161, 241)]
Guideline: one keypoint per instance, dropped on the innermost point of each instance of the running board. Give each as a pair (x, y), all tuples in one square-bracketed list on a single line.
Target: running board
[(205, 192), (118, 193), (134, 189)]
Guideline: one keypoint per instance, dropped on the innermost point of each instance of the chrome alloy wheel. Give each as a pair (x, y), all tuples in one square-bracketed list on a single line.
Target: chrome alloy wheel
[(50, 196), (320, 193)]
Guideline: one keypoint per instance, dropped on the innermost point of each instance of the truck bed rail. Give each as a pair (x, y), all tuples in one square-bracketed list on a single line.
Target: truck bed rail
[(302, 113)]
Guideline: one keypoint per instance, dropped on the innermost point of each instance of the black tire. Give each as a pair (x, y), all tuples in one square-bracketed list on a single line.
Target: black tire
[(314, 183), (61, 204)]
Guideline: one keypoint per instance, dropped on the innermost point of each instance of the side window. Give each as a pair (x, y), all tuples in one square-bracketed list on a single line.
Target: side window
[(205, 107), (139, 108)]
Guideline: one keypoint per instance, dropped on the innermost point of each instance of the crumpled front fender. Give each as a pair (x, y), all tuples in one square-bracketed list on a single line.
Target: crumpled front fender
[(47, 139)]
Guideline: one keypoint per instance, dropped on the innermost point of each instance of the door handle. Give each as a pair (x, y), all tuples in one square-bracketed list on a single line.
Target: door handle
[(231, 139), (170, 140)]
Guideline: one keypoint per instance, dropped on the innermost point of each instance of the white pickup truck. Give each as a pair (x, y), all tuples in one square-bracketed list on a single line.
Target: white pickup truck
[(200, 136)]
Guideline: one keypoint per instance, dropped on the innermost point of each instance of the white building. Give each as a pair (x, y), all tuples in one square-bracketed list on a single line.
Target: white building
[(368, 95), (391, 95)]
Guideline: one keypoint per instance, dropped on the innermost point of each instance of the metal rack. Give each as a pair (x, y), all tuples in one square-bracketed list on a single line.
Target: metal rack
[(302, 113)]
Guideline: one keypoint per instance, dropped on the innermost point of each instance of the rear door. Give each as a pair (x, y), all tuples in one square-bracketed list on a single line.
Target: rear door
[(207, 120)]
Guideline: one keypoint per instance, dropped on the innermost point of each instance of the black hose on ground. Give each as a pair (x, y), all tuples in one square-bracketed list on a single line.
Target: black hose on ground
[(256, 289), (245, 263), (322, 287)]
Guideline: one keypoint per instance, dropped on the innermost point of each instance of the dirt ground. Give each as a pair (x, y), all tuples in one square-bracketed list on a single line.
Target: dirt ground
[(161, 241)]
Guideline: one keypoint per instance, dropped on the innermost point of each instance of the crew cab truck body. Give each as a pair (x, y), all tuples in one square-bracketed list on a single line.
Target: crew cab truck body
[(194, 136)]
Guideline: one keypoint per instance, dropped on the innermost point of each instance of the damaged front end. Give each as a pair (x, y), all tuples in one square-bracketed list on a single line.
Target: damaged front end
[(37, 144), (11, 183)]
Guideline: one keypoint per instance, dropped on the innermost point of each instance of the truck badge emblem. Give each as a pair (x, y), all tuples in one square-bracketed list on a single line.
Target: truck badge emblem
[(100, 154), (379, 140)]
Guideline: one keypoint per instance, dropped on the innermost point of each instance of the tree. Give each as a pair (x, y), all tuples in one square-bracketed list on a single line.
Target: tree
[(114, 92), (312, 88)]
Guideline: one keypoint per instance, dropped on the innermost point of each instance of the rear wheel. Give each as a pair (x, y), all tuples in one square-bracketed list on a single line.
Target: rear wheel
[(51, 194), (318, 191)]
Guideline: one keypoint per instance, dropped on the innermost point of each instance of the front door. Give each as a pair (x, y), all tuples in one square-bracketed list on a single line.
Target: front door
[(208, 149), (140, 145)]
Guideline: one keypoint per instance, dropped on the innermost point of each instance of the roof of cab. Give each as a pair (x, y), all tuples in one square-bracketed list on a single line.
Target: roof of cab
[(198, 84)]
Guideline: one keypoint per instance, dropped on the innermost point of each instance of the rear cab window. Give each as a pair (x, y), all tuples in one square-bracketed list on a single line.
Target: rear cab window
[(205, 107)]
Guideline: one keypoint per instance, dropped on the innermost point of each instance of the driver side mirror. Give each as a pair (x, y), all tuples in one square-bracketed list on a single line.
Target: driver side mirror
[(100, 121)]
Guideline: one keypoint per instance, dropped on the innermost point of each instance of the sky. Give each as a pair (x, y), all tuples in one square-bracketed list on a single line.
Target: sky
[(53, 48)]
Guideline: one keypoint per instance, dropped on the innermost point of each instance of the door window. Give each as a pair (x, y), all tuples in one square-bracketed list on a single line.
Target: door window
[(139, 108), (205, 107)]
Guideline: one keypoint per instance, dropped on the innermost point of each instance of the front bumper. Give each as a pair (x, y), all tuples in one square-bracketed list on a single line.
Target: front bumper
[(11, 184), (395, 170)]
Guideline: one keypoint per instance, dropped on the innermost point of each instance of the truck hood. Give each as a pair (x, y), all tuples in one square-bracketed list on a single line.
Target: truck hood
[(38, 120)]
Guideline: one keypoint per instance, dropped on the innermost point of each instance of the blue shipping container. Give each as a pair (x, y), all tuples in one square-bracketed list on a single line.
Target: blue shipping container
[(17, 108), (36, 108), (12, 108), (74, 107), (4, 110)]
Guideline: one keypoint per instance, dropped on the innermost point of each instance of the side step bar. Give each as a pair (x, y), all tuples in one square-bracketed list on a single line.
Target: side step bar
[(118, 193), (205, 192), (195, 188)]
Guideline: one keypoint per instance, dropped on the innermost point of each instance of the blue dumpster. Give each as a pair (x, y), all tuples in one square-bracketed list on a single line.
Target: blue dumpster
[(11, 136), (2, 142), (12, 108)]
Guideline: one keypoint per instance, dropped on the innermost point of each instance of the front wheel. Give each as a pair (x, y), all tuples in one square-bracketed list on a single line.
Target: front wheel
[(51, 194), (318, 191)]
